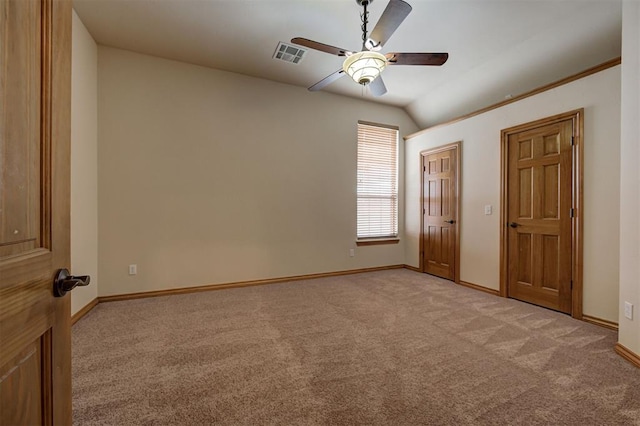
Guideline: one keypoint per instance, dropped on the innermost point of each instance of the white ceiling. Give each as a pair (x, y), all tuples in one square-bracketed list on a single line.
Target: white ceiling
[(496, 47)]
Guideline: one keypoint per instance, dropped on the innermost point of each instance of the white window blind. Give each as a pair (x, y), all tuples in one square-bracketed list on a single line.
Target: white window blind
[(377, 181)]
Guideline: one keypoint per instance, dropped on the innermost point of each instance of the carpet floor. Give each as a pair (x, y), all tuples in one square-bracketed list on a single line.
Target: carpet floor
[(383, 348)]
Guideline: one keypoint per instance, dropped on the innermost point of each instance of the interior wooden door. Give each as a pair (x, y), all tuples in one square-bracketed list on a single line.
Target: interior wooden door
[(440, 212), (539, 215), (35, 78)]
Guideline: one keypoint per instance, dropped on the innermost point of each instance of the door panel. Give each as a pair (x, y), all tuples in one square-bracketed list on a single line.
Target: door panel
[(551, 203), (20, 67), (35, 374), (439, 237), (26, 373), (539, 215)]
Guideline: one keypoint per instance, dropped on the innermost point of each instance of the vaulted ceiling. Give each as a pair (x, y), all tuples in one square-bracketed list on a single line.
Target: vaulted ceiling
[(497, 48)]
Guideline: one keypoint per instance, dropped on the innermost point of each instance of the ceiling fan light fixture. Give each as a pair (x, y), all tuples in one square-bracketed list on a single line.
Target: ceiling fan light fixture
[(363, 67)]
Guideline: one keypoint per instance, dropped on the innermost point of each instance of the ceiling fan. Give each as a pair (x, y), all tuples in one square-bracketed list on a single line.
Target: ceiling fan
[(365, 66)]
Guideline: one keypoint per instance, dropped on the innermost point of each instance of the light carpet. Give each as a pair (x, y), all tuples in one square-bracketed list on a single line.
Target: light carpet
[(383, 348)]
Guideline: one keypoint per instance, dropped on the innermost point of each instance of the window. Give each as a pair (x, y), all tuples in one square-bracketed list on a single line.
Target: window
[(377, 181)]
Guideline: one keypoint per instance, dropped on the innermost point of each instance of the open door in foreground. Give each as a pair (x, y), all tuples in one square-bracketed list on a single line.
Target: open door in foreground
[(35, 79)]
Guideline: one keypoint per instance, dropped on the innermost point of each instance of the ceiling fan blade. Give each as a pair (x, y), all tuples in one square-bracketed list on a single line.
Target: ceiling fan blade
[(417, 58), (395, 12), (377, 87), (327, 80), (320, 46)]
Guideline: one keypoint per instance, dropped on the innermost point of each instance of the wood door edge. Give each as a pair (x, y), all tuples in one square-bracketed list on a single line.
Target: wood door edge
[(578, 222), (504, 206), (423, 154), (577, 117), (62, 14)]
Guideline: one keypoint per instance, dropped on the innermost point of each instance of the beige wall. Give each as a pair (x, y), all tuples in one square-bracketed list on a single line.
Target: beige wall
[(210, 177), (599, 95), (84, 163), (629, 335)]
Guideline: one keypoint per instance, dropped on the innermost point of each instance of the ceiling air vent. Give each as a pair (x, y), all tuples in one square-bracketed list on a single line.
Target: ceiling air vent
[(288, 53)]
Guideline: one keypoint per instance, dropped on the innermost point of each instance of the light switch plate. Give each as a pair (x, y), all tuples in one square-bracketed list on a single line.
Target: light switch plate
[(628, 310), (488, 209)]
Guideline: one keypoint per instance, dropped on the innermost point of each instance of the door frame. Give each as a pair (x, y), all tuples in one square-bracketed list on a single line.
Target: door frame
[(457, 146), (577, 117)]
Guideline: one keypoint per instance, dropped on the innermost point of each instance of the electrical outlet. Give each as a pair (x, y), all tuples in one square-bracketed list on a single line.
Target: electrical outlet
[(628, 310), (352, 252), (133, 269)]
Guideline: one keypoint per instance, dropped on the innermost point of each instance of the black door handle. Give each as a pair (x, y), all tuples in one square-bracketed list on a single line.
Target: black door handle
[(513, 225), (450, 221), (63, 282)]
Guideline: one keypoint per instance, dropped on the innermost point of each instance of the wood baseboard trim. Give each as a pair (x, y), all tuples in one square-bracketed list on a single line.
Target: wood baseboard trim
[(601, 322), (630, 356), (84, 311), (210, 287), (412, 268), (479, 287)]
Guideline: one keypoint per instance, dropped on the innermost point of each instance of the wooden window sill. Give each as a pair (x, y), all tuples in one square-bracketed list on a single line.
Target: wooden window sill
[(377, 242)]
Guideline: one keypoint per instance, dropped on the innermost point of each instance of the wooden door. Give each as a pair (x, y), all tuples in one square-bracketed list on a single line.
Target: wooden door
[(440, 212), (35, 79), (540, 214)]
